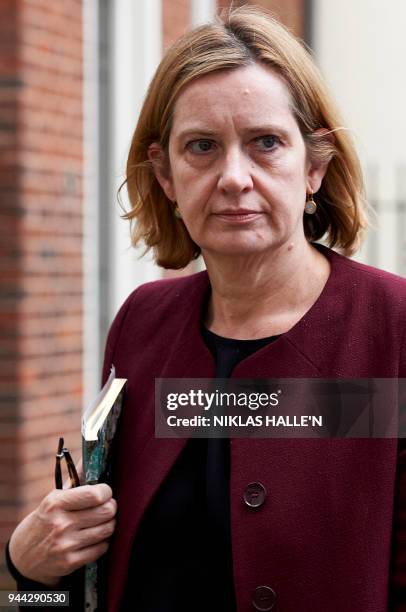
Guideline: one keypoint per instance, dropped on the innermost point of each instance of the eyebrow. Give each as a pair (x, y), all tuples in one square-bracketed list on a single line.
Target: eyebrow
[(258, 129)]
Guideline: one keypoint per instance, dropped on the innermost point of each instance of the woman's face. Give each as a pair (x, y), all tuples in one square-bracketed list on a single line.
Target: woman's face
[(238, 168)]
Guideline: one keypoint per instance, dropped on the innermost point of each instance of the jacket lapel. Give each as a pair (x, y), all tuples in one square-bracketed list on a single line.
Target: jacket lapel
[(141, 469)]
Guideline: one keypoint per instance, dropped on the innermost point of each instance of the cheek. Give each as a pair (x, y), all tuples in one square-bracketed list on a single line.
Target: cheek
[(284, 188), (282, 185), (193, 188), (182, 174), (293, 166), (290, 182)]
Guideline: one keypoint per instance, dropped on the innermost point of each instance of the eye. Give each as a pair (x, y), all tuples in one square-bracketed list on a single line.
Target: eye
[(267, 143), (200, 146)]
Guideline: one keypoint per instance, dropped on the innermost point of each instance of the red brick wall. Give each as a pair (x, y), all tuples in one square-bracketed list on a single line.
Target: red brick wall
[(9, 266), (41, 247), (175, 20), (290, 12)]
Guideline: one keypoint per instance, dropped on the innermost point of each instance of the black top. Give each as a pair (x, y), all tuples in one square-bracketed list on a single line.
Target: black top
[(181, 558)]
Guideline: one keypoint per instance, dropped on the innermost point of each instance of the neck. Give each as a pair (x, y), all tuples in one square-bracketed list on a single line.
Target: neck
[(258, 296)]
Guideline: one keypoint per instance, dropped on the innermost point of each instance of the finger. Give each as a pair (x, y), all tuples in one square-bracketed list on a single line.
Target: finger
[(95, 516), (79, 498), (78, 558), (93, 535)]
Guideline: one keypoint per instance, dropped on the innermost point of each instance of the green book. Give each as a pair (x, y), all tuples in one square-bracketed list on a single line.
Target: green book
[(99, 424)]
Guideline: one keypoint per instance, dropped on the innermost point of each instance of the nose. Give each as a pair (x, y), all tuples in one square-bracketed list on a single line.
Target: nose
[(235, 173)]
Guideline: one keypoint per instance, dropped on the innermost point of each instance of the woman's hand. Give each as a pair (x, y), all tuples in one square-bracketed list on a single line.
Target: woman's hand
[(70, 527)]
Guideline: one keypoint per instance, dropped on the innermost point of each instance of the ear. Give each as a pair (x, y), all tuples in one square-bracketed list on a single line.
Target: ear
[(160, 165), (325, 140)]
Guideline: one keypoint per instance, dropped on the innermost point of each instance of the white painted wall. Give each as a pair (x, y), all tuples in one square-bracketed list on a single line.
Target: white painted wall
[(361, 48), (136, 52), (202, 11)]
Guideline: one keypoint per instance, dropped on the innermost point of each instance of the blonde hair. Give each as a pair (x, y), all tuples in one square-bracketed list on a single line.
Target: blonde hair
[(237, 38)]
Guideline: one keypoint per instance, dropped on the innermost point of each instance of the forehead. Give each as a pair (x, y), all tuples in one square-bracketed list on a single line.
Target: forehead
[(252, 93)]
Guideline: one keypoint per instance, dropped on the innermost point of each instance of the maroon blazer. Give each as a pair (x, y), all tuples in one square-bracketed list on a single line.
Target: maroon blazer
[(331, 534)]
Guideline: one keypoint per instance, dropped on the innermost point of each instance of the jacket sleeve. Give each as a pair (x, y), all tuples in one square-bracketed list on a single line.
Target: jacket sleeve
[(74, 583), (397, 585)]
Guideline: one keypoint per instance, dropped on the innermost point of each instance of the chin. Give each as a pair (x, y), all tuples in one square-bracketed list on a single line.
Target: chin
[(237, 248)]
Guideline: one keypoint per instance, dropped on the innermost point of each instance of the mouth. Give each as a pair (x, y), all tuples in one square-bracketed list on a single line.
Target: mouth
[(238, 216)]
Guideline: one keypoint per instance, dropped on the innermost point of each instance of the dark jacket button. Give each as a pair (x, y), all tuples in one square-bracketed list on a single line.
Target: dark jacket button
[(264, 598), (254, 494)]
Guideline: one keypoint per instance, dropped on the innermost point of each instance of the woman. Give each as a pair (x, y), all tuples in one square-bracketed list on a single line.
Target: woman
[(239, 155)]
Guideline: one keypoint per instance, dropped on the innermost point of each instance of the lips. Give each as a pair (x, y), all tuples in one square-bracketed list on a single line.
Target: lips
[(238, 215), (238, 212)]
